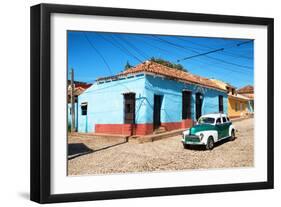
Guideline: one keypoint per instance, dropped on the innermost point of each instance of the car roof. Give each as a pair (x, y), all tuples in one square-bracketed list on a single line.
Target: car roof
[(214, 115)]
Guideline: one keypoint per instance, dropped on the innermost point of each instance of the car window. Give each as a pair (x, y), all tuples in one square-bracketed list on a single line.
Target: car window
[(206, 120), (218, 121), (227, 119), (223, 119)]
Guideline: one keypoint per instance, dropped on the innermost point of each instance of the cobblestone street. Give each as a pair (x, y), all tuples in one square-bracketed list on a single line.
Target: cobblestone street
[(166, 154)]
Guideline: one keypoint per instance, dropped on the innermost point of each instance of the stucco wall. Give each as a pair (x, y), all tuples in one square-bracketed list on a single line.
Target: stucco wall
[(105, 102), (242, 107), (171, 90)]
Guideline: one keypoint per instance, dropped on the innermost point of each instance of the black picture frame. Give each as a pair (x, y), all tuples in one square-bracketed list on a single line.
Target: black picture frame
[(41, 96)]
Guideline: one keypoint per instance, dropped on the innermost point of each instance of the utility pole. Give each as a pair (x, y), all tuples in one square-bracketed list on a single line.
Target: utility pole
[(72, 99)]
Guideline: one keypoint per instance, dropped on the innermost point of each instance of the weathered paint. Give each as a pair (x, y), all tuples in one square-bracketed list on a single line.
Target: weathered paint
[(237, 107), (106, 111)]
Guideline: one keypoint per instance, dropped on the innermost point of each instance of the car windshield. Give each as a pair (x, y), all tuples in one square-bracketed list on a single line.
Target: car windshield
[(206, 120)]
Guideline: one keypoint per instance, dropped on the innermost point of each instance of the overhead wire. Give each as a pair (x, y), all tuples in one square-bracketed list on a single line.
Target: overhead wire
[(217, 59), (105, 62), (124, 50), (212, 63), (140, 52), (206, 46)]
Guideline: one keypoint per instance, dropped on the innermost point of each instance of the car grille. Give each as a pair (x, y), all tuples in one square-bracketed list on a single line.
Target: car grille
[(192, 138)]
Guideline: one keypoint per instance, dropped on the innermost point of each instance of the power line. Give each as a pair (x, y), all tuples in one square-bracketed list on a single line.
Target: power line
[(213, 51), (105, 62), (182, 47), (124, 50), (230, 63), (119, 45), (173, 44), (243, 43), (169, 52), (217, 59), (135, 48), (98, 53), (154, 46), (225, 51), (124, 47)]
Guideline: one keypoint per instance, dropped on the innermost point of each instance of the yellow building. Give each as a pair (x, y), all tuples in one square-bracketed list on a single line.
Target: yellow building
[(238, 105)]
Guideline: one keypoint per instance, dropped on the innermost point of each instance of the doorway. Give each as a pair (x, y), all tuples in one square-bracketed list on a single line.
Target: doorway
[(129, 108), (199, 101), (157, 111), (186, 105), (220, 103)]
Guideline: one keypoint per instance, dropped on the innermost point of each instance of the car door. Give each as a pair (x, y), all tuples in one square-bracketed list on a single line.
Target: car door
[(225, 126), (219, 127)]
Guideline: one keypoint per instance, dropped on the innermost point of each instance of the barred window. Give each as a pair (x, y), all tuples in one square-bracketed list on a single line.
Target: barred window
[(84, 108)]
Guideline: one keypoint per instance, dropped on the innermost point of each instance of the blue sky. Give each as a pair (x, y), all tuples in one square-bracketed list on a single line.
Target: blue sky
[(96, 54)]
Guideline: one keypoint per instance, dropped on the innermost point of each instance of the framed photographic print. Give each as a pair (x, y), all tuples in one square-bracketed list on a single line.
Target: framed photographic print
[(132, 103)]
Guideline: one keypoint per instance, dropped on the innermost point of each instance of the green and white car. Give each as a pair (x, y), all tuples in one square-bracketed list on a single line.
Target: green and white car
[(209, 129)]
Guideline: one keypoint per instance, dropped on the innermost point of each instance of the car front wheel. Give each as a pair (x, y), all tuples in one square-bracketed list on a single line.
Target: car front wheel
[(210, 143), (186, 146)]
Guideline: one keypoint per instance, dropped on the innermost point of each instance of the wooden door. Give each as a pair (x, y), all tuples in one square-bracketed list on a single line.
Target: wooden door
[(186, 104), (199, 101), (220, 104), (157, 111), (129, 108)]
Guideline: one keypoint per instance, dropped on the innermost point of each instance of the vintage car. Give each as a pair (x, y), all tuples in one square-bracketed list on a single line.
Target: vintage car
[(209, 129)]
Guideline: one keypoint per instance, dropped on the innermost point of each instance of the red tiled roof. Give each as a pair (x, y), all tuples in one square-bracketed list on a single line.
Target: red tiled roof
[(246, 89), (80, 84), (79, 87), (158, 69), (83, 85)]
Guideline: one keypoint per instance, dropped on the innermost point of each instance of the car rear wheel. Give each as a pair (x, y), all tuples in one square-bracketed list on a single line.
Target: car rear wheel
[(210, 143), (232, 137)]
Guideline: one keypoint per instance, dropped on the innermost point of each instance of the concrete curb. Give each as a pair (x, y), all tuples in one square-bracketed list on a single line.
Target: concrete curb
[(155, 137)]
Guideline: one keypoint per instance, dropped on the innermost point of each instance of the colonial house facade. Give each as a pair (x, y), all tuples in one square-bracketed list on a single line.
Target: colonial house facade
[(239, 105), (144, 98), (79, 88), (248, 91)]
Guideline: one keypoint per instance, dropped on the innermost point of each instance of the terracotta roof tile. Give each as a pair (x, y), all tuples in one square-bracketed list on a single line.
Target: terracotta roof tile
[(152, 67), (246, 89)]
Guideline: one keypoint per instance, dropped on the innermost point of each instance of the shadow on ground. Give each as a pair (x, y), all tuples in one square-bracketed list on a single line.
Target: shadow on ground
[(202, 147), (79, 149)]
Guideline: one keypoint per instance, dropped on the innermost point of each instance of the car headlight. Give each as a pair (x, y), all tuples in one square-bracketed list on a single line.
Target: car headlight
[(201, 136)]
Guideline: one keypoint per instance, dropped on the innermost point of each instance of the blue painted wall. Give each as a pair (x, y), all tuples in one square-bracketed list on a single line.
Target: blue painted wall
[(105, 101), (171, 90)]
